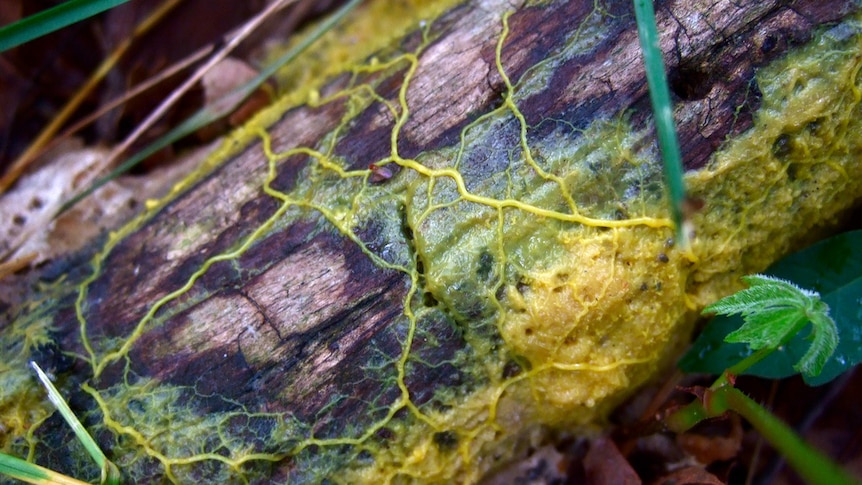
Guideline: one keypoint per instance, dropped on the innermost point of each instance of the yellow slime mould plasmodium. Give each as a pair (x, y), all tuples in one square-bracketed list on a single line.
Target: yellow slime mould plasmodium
[(534, 276)]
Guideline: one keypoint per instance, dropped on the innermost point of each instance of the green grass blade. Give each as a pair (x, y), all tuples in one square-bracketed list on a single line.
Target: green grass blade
[(662, 110), (52, 19), (22, 470), (31, 473), (110, 473)]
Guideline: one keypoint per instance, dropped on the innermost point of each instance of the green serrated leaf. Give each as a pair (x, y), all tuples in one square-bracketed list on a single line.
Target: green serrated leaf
[(777, 310), (776, 291), (833, 268), (774, 310), (823, 345), (770, 328), (763, 292)]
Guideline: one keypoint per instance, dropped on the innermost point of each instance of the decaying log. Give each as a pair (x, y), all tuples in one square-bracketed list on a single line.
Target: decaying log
[(449, 253)]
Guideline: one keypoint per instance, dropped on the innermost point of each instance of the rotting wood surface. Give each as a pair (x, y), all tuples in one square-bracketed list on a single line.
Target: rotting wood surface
[(333, 301)]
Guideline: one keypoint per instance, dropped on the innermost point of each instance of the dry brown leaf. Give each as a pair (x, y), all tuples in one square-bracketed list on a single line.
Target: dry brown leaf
[(545, 465), (222, 79), (605, 465), (27, 226), (711, 448), (219, 84), (690, 475)]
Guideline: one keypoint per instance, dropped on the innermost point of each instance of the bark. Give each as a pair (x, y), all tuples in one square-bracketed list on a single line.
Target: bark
[(234, 320)]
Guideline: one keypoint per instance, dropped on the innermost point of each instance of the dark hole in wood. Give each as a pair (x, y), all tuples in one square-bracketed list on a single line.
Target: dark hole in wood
[(689, 84)]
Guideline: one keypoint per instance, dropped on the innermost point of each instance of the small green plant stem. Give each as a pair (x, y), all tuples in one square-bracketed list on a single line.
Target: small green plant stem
[(740, 367), (809, 463), (687, 416), (31, 473), (813, 466)]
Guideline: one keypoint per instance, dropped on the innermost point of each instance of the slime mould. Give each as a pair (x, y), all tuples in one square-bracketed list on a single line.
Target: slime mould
[(415, 269)]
